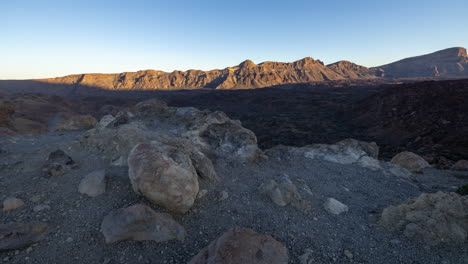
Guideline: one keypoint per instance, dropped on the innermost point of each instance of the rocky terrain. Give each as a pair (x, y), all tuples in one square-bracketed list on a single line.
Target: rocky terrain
[(426, 117), (449, 63), (159, 184)]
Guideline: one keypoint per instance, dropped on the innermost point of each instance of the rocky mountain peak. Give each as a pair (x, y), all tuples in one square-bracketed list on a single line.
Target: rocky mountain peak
[(247, 64)]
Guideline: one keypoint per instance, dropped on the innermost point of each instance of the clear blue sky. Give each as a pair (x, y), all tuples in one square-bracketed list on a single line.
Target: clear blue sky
[(55, 38)]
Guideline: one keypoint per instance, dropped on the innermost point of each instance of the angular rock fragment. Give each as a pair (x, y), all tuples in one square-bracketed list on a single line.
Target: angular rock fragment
[(242, 245), (20, 235), (93, 184), (58, 163), (12, 203), (335, 207), (432, 217), (139, 222)]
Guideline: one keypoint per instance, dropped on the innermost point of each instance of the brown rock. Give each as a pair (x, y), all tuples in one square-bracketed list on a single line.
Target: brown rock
[(460, 165), (163, 174), (20, 235), (139, 222), (410, 161), (242, 245)]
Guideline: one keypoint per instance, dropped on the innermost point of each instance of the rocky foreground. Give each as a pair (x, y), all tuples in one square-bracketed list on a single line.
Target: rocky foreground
[(158, 184)]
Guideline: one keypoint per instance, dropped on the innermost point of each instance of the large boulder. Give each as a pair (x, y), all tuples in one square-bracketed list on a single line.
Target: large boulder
[(410, 161), (434, 218), (242, 245), (164, 174), (20, 235), (139, 222)]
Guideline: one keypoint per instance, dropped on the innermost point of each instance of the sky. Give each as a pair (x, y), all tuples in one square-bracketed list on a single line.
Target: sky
[(50, 38)]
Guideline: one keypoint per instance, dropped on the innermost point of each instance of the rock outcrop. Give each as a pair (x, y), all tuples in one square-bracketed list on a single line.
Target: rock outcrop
[(77, 122), (139, 222), (434, 218), (201, 134), (242, 245)]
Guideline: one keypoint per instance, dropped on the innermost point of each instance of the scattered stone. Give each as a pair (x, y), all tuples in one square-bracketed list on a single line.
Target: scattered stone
[(335, 207), (105, 121), (94, 183), (41, 207), (58, 163), (164, 175), (223, 195), (242, 245), (202, 193), (20, 235), (460, 165), (348, 254), (12, 203), (36, 198), (307, 257), (139, 222), (432, 217), (410, 161), (282, 193), (69, 240)]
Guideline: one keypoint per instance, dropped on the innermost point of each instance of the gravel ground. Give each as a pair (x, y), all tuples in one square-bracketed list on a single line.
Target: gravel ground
[(74, 219)]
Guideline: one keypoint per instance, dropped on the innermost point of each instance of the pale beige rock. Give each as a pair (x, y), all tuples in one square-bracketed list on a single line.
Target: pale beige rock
[(242, 245), (12, 203), (93, 184), (335, 207), (164, 175), (432, 217)]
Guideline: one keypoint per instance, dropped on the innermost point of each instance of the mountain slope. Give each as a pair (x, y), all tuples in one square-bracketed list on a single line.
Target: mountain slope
[(452, 62)]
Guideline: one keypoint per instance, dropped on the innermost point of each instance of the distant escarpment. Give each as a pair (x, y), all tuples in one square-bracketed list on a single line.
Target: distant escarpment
[(449, 63), (245, 75)]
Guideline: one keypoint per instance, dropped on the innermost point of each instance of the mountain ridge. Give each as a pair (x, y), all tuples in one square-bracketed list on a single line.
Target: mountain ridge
[(447, 63)]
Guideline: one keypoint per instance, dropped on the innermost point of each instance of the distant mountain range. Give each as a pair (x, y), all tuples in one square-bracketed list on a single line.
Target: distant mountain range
[(448, 63)]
